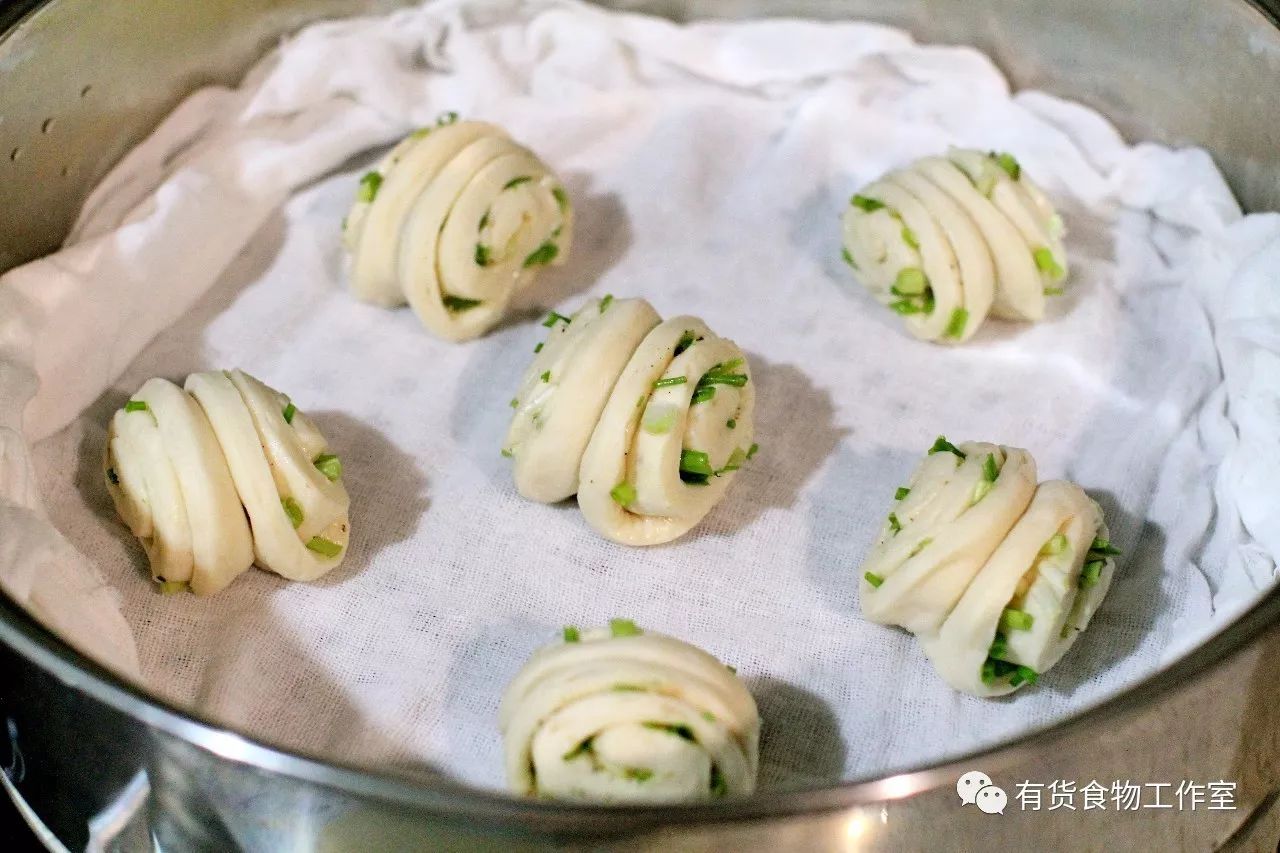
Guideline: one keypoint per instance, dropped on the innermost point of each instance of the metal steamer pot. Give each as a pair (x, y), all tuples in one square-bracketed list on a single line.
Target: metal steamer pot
[(97, 761)]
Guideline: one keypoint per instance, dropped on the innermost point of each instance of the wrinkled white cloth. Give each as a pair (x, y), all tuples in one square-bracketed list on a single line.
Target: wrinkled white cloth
[(709, 165)]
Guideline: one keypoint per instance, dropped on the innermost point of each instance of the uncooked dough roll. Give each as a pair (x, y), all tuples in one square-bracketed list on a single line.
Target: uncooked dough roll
[(455, 220), (619, 715), (676, 428), (946, 241), (170, 484), (1034, 596), (288, 482), (564, 391), (949, 518)]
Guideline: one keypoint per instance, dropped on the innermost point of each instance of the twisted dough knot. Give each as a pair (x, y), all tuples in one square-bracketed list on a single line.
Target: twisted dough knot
[(455, 220), (185, 467), (647, 421), (946, 241), (617, 715)]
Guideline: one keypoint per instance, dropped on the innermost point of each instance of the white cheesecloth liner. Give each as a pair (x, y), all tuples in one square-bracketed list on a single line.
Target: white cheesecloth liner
[(708, 166)]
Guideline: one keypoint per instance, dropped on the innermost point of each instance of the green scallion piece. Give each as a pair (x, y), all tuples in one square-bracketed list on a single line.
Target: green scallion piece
[(909, 237), (1092, 573), (719, 787), (1057, 544), (554, 318), (506, 452), (678, 729), (572, 634), (696, 462), (538, 347), (446, 118), (874, 579), (136, 406), (1007, 162), (1054, 291), (911, 281), (848, 257), (546, 376), (324, 547), (670, 381), (940, 444), (1023, 675), (737, 380), (637, 774), (561, 197), (623, 494), (752, 450), (484, 222), (735, 460), (732, 423), (292, 509), (894, 524), (920, 546), (658, 420), (999, 646), (624, 628), (955, 326), (703, 394), (581, 749), (1102, 546), (289, 411), (458, 304), (866, 204), (368, 189), (1048, 264), (482, 255), (544, 254), (515, 182), (686, 340), (990, 471), (329, 465), (1012, 619), (172, 587), (606, 302), (906, 307), (980, 490), (901, 493)]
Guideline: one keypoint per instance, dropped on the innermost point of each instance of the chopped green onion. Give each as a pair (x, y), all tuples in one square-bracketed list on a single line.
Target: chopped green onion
[(1023, 675), (484, 221), (482, 255), (1013, 619), (546, 376), (572, 634), (292, 509), (623, 494), (447, 118), (538, 347), (562, 198), (907, 307), (678, 729), (581, 749), (703, 394), (909, 237), (1008, 163), (1102, 546), (737, 380), (686, 340), (506, 452), (1057, 544), (136, 406), (736, 458), (719, 787), (901, 493), (999, 646), (670, 381), (554, 318), (369, 184), (732, 423), (848, 258), (658, 420), (708, 716), (959, 319), (920, 546), (639, 774), (606, 302), (874, 579), (1048, 264), (990, 471), (113, 476), (323, 547), (732, 669), (627, 688), (866, 204), (329, 465), (171, 587), (544, 254), (515, 403), (894, 524), (911, 281), (458, 304), (515, 182), (696, 462), (1054, 291), (289, 411), (420, 132), (980, 491), (752, 450), (1092, 573), (940, 444), (624, 628)]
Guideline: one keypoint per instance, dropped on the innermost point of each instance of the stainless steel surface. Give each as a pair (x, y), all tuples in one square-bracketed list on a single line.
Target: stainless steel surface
[(1203, 71)]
